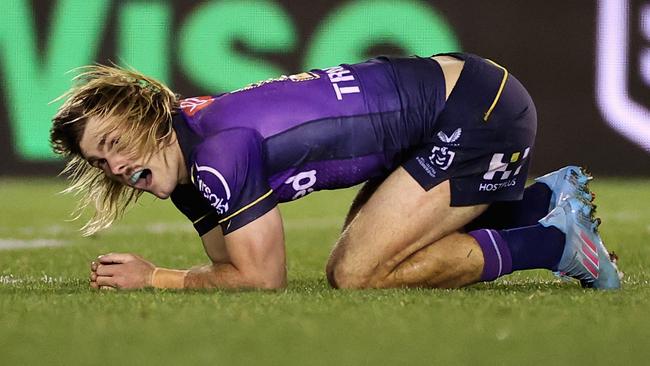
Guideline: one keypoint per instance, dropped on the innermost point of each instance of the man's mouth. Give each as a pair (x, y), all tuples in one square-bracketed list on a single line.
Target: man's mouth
[(140, 176)]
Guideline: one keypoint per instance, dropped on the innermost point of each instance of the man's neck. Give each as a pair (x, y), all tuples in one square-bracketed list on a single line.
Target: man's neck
[(183, 174)]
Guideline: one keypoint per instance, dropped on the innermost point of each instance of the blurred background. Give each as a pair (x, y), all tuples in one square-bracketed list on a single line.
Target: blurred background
[(586, 63)]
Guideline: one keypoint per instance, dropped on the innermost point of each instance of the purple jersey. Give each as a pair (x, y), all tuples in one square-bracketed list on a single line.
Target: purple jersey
[(281, 139)]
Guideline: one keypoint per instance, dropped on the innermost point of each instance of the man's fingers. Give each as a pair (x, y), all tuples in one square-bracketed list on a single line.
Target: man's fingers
[(93, 276), (94, 284), (93, 265), (105, 281), (115, 258), (106, 269)]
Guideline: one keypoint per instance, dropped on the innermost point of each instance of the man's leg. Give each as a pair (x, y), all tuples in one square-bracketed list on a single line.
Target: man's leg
[(538, 199), (398, 220), (499, 215), (360, 199), (566, 241), (404, 236)]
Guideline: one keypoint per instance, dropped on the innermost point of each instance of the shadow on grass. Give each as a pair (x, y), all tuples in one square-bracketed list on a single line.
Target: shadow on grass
[(302, 287)]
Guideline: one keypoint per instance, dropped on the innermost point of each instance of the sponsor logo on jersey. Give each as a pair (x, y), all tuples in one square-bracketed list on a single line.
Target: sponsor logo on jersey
[(302, 183), (443, 157), (192, 105), (260, 83), (304, 76), (504, 171), (491, 187), (450, 139), (428, 168), (343, 81), (213, 187)]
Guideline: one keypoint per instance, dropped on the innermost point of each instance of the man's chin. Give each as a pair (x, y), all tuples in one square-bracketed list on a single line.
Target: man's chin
[(162, 192), (157, 194), (161, 195)]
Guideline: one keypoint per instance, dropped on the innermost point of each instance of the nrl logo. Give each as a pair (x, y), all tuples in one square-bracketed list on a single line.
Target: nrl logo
[(441, 157), (450, 139), (616, 52)]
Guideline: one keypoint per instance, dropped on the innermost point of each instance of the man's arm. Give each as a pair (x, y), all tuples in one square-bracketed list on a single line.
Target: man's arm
[(253, 256), (250, 257)]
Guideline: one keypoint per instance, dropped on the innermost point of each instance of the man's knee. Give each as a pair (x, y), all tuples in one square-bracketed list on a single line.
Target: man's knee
[(342, 277), (344, 274)]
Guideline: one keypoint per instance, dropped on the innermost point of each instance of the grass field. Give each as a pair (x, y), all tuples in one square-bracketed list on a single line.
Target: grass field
[(49, 316)]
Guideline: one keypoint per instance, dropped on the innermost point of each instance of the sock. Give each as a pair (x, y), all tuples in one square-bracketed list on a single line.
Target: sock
[(525, 212), (530, 247)]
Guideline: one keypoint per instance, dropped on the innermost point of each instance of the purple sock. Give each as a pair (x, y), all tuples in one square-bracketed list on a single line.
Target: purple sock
[(530, 247), (534, 247), (496, 254)]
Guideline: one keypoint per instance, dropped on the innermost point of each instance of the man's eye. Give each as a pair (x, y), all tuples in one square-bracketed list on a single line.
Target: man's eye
[(98, 163)]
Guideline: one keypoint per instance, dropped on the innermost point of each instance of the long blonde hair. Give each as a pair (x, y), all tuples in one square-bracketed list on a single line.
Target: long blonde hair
[(137, 107)]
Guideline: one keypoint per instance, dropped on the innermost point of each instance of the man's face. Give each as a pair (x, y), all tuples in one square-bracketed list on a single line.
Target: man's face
[(154, 175)]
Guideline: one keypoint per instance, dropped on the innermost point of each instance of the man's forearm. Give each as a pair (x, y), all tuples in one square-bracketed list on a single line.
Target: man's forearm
[(218, 275), (168, 278)]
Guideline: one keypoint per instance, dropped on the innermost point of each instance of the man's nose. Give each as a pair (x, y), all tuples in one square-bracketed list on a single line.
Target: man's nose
[(117, 165)]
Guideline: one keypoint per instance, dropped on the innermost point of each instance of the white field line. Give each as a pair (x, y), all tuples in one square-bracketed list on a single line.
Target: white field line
[(156, 228), (6, 244), (54, 230), (186, 227), (12, 280), (624, 216)]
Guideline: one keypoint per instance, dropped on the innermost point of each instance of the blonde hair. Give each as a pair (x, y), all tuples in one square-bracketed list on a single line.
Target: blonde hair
[(138, 108)]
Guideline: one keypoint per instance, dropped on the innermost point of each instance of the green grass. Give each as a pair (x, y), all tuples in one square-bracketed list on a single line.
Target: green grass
[(49, 316)]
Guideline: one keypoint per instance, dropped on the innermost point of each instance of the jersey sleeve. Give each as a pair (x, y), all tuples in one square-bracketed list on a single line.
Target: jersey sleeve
[(191, 203), (228, 172)]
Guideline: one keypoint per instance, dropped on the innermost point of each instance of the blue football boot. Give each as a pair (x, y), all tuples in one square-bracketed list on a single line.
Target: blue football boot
[(585, 256), (570, 181)]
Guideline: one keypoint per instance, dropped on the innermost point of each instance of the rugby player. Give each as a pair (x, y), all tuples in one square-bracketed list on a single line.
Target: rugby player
[(443, 144)]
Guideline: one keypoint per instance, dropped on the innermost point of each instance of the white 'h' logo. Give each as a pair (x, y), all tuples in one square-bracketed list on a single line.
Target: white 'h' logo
[(497, 165)]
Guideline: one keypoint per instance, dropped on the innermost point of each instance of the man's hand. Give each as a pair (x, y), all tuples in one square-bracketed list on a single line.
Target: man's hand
[(121, 271)]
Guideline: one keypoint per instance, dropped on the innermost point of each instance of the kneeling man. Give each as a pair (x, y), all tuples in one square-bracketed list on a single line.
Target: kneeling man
[(442, 143)]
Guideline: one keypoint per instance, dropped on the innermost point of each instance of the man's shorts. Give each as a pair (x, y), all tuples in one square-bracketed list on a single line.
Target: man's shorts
[(483, 139)]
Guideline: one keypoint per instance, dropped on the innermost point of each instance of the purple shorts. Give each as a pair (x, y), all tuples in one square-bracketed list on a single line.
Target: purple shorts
[(483, 139)]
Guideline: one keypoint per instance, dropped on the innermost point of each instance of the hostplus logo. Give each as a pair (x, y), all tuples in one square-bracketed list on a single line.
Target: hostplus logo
[(504, 171)]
